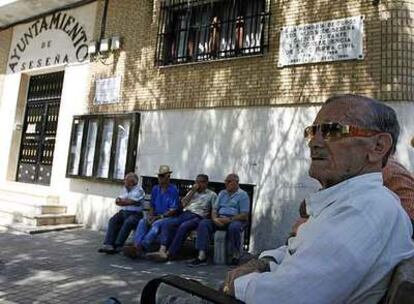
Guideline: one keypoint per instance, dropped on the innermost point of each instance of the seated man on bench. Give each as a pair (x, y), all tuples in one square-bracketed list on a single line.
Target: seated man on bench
[(164, 206), (197, 206), (230, 212), (125, 220)]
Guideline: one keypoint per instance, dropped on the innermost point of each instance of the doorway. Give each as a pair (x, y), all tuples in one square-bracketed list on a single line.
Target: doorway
[(39, 128)]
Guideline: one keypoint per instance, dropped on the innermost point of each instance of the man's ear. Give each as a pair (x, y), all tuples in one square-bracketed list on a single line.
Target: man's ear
[(381, 145)]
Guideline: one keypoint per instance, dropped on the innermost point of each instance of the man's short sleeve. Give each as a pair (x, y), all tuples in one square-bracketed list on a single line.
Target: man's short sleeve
[(173, 202), (136, 194), (154, 196), (213, 199), (216, 202), (244, 203)]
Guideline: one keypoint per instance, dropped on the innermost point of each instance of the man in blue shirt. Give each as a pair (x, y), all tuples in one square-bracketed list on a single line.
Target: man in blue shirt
[(164, 205), (121, 224), (230, 212)]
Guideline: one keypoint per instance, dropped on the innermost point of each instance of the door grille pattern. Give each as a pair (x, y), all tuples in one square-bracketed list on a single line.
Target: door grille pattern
[(39, 130)]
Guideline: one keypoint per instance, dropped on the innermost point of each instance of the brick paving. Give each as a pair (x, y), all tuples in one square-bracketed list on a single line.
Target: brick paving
[(64, 267)]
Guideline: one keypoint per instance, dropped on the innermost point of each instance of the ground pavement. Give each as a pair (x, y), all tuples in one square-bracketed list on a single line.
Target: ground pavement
[(64, 267)]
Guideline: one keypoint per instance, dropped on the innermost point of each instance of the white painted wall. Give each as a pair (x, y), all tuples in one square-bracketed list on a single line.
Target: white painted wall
[(8, 106)]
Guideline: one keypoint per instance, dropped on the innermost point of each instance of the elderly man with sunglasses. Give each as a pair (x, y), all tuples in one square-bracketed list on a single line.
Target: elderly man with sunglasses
[(164, 206), (357, 231)]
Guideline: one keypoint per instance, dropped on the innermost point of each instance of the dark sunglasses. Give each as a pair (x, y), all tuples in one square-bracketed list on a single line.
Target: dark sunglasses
[(337, 130), (163, 175)]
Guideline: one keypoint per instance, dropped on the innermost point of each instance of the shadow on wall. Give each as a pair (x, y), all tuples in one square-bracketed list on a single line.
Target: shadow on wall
[(265, 146)]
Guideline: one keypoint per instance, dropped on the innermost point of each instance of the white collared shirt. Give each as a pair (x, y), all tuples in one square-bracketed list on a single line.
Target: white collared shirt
[(136, 194), (345, 253)]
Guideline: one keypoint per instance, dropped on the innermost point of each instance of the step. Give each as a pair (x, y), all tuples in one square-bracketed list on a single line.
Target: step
[(40, 229), (48, 219)]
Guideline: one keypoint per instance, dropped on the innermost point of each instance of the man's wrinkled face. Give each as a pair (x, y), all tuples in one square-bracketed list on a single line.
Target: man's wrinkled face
[(164, 179), (129, 183), (337, 159), (231, 184), (202, 184)]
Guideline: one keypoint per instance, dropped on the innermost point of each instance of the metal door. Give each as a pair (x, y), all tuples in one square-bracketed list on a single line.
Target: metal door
[(39, 129)]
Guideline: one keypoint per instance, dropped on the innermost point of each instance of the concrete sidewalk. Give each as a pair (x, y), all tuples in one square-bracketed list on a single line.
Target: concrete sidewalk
[(64, 267)]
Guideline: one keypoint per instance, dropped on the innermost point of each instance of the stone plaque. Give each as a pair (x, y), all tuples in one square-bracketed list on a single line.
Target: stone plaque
[(340, 39)]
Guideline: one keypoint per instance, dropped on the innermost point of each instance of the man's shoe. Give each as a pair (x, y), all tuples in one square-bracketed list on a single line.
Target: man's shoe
[(197, 263), (157, 256), (130, 251), (109, 249), (118, 249)]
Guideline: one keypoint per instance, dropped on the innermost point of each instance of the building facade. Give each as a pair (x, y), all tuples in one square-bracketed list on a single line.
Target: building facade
[(211, 87)]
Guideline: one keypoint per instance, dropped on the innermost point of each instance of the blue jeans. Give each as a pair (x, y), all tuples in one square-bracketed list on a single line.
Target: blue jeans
[(174, 232), (146, 233), (120, 226), (206, 229)]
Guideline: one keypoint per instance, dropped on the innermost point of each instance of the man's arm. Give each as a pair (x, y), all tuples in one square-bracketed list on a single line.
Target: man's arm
[(187, 199), (132, 198), (243, 217), (125, 202), (325, 269), (173, 203)]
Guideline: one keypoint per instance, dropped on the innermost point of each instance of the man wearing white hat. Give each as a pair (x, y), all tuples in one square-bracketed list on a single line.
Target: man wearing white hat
[(164, 204)]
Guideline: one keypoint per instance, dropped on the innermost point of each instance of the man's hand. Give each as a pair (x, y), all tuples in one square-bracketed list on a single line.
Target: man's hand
[(221, 221), (195, 187), (253, 265), (152, 218), (119, 201)]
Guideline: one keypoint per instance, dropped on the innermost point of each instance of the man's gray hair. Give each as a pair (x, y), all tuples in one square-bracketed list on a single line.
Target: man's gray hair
[(234, 176), (133, 176), (380, 117)]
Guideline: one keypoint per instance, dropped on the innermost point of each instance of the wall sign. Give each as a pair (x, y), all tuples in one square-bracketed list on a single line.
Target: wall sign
[(340, 39), (107, 90), (58, 38)]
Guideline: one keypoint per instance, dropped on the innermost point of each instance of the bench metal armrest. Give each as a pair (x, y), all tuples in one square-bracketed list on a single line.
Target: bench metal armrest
[(193, 287), (401, 290)]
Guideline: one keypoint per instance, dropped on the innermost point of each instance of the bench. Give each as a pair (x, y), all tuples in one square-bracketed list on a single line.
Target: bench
[(220, 245), (401, 290)]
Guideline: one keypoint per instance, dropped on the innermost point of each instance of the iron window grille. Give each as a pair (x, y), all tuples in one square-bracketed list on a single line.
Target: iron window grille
[(201, 30), (103, 147)]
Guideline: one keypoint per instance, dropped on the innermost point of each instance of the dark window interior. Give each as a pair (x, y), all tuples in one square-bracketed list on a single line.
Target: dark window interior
[(206, 30)]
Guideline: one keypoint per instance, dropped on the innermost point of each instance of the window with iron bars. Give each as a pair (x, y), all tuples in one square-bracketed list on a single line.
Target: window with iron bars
[(201, 30)]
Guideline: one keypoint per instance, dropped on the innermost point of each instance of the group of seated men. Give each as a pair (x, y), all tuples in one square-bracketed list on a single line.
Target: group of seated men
[(170, 221)]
